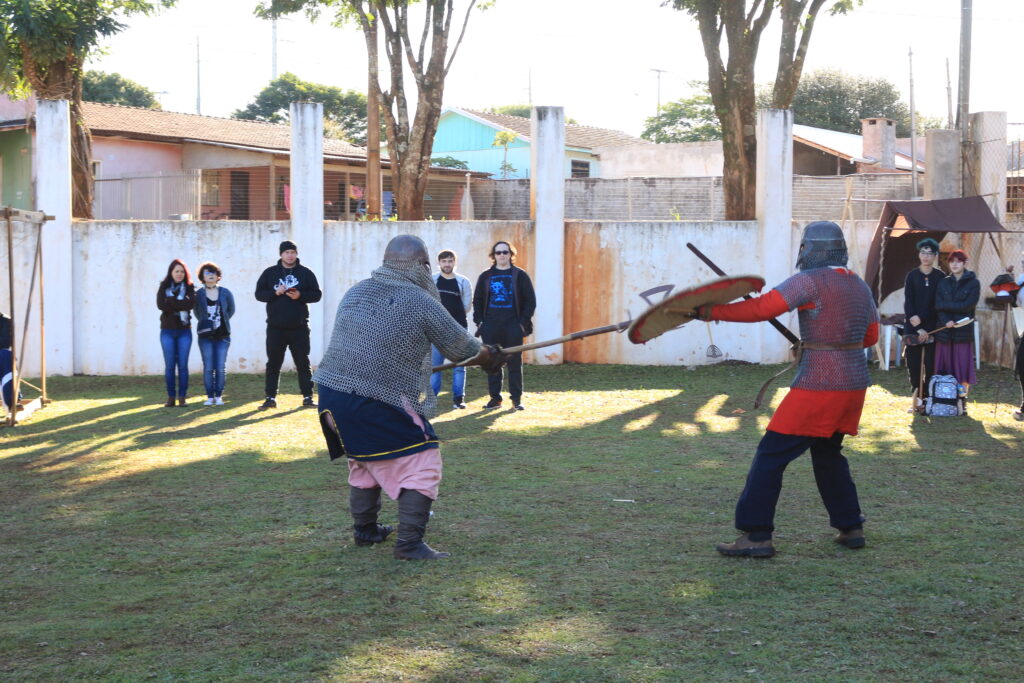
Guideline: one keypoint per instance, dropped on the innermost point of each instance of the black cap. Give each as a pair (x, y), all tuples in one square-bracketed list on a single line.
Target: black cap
[(286, 245)]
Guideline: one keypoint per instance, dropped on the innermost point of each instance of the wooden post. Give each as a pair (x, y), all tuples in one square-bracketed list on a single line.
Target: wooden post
[(13, 407)]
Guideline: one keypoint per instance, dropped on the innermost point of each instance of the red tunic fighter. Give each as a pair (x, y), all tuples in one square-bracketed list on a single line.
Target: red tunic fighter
[(838, 319)]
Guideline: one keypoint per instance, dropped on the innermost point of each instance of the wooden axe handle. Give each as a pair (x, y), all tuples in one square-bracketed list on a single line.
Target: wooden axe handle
[(617, 327)]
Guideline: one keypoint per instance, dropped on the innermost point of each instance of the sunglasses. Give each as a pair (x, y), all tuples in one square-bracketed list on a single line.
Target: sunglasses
[(501, 253)]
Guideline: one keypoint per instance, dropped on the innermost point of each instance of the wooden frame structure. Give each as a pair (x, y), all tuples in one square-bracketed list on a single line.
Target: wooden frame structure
[(22, 409)]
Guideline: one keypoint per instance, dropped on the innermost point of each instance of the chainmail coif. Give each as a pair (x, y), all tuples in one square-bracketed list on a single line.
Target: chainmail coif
[(383, 329)]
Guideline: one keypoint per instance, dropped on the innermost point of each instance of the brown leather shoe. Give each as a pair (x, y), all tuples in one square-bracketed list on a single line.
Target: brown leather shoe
[(170, 402), (852, 539), (181, 401), (744, 547)]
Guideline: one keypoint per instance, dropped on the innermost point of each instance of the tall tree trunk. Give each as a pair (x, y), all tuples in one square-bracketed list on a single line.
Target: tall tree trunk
[(81, 157), (62, 80), (739, 173)]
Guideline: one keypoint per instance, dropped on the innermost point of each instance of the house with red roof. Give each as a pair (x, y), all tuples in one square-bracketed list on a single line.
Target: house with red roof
[(469, 135), (153, 164)]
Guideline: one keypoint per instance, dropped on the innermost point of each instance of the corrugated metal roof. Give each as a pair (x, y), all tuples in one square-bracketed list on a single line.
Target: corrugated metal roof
[(846, 145)]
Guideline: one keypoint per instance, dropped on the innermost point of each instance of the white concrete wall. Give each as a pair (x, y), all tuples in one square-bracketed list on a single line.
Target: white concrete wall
[(52, 176), (25, 239), (121, 263), (670, 159), (307, 210), (774, 203), (547, 209), (614, 262)]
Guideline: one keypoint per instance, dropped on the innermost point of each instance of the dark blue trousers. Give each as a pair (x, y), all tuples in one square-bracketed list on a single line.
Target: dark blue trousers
[(755, 510)]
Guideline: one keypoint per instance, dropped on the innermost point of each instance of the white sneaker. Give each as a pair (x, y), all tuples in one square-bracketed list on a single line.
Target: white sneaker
[(218, 401), (208, 402)]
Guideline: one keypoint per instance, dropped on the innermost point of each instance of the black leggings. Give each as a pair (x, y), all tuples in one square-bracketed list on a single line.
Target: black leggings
[(1019, 368)]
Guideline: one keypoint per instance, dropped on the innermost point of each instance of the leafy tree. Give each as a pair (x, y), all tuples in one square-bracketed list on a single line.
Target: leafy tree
[(98, 86), (838, 101), (731, 75), (43, 46), (687, 120), (523, 110), (504, 138), (449, 162), (410, 137), (344, 110)]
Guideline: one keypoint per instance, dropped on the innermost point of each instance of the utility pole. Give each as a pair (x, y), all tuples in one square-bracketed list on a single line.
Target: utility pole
[(913, 129), (199, 107), (273, 50), (657, 112), (949, 99), (964, 89)]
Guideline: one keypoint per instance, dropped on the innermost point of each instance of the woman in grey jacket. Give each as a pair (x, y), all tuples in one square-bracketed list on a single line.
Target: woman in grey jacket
[(215, 306)]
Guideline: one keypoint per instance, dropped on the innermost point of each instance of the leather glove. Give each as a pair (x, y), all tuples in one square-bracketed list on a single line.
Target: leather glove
[(702, 312), (491, 359)]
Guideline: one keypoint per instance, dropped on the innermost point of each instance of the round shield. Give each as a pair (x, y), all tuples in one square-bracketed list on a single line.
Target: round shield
[(677, 310)]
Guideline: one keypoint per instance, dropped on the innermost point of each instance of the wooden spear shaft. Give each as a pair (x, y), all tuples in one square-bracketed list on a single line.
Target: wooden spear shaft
[(617, 327)]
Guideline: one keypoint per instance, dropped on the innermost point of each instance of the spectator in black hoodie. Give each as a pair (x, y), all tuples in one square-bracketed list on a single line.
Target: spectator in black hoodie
[(919, 307), (503, 306), (287, 288)]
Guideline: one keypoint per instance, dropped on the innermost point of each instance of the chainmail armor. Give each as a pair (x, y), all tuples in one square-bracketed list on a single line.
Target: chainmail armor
[(842, 311), (383, 329)]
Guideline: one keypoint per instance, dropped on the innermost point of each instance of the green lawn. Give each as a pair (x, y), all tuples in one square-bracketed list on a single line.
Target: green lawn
[(140, 542)]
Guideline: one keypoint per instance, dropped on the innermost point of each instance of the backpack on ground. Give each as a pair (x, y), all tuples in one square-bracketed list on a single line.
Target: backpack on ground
[(943, 397)]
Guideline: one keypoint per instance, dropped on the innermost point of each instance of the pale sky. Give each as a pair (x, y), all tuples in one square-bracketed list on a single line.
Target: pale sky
[(590, 56)]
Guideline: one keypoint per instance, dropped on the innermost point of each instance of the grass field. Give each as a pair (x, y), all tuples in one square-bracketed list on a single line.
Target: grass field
[(147, 543)]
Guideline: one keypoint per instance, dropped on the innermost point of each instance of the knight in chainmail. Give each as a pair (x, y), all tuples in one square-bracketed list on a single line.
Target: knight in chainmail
[(375, 396), (838, 320)]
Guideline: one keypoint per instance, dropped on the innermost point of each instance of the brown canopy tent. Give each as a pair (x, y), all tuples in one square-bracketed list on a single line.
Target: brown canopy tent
[(903, 224)]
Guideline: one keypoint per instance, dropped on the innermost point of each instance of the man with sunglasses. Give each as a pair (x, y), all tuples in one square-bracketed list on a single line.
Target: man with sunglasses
[(503, 306)]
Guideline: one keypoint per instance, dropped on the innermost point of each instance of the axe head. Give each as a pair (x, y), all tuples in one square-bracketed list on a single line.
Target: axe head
[(678, 309)]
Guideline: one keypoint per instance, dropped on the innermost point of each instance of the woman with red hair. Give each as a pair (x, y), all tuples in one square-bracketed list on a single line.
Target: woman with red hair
[(175, 298), (956, 298)]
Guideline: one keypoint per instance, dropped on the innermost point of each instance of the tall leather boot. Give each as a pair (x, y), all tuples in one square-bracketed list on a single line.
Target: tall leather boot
[(413, 514), (364, 504)]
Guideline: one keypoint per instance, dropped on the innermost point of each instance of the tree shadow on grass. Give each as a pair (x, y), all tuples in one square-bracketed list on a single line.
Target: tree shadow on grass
[(242, 565)]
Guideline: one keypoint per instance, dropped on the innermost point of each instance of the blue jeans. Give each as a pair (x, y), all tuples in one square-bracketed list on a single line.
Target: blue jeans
[(176, 345), (458, 375), (755, 511), (215, 353)]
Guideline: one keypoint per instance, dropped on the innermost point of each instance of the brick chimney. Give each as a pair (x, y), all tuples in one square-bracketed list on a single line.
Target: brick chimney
[(880, 141)]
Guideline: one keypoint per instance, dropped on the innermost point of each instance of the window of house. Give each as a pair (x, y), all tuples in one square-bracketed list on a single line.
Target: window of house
[(282, 194), (580, 169), (211, 188)]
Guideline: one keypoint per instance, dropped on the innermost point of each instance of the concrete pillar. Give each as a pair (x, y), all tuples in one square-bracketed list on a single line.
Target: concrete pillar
[(774, 205), (987, 161), (942, 164), (547, 210), (52, 171), (879, 135), (307, 183)]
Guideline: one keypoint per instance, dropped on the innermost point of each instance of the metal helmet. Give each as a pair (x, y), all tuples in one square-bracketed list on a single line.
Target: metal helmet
[(822, 245)]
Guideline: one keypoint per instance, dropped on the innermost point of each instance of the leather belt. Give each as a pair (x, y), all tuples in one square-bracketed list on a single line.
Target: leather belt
[(799, 351)]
